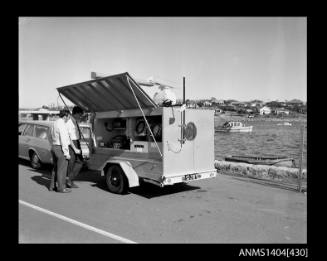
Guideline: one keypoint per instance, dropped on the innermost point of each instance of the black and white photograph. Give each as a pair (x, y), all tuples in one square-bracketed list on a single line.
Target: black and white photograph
[(163, 130)]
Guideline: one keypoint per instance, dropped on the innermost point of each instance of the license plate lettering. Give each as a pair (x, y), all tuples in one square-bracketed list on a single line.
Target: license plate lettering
[(190, 177)]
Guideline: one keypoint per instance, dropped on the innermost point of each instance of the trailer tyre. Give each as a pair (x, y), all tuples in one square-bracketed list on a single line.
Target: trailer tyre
[(116, 180)]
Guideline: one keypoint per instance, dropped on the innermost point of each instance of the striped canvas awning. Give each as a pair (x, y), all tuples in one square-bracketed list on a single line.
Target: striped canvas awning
[(115, 92)]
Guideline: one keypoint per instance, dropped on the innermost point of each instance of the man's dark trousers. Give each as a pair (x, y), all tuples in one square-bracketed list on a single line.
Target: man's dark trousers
[(60, 168), (75, 163)]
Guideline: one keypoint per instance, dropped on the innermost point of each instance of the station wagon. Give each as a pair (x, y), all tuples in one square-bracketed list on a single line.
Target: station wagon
[(34, 141)]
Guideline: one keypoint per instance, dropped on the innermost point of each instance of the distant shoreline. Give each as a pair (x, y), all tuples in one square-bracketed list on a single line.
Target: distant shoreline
[(260, 118)]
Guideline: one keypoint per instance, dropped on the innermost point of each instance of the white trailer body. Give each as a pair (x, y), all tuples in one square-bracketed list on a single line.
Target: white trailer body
[(137, 140)]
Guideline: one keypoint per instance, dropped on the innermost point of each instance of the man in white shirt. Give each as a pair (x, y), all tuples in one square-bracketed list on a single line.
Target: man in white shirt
[(60, 152), (75, 163)]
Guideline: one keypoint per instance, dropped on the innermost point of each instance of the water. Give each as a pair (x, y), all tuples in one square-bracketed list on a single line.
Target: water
[(267, 139)]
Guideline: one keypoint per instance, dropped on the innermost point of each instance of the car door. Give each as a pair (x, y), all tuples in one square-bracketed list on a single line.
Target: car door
[(21, 128), (40, 142), (25, 139)]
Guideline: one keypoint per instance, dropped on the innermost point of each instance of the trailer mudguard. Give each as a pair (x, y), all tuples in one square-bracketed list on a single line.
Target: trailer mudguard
[(126, 166)]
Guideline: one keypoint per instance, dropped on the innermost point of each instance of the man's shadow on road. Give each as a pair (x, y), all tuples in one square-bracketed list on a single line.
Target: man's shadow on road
[(45, 172), (44, 177)]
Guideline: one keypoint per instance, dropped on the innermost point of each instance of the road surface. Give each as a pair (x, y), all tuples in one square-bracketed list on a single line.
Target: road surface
[(221, 210)]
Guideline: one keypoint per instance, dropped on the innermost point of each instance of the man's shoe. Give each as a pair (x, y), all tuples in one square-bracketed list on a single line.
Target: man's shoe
[(71, 185), (65, 190), (52, 189)]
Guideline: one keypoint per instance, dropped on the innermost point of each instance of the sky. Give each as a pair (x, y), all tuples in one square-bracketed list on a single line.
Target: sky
[(241, 58)]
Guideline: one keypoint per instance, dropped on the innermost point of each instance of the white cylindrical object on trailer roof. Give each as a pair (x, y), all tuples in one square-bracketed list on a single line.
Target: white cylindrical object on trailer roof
[(164, 95)]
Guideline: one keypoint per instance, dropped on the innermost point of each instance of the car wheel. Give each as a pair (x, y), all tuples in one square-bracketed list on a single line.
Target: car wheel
[(35, 161), (116, 180)]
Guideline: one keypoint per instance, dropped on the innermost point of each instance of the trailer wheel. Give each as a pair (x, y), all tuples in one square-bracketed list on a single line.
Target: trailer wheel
[(116, 180)]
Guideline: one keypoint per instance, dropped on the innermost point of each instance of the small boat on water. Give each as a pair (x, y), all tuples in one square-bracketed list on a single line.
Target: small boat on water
[(285, 124), (262, 160), (233, 126), (218, 112)]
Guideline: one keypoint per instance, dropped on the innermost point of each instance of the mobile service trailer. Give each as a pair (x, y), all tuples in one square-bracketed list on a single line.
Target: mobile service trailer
[(137, 140)]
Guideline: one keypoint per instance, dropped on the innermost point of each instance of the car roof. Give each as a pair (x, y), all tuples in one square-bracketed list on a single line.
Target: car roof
[(43, 123), (50, 123)]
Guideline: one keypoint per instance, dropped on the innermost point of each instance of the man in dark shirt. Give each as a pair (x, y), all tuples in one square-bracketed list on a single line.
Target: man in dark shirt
[(75, 163)]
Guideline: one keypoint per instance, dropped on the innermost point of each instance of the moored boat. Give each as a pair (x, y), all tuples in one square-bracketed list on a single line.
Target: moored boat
[(285, 124), (262, 160), (233, 126)]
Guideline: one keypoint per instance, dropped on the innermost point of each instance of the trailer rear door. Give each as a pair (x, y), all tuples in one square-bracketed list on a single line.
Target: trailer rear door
[(196, 155)]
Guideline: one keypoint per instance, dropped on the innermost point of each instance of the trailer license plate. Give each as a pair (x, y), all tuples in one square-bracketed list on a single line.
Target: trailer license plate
[(191, 177)]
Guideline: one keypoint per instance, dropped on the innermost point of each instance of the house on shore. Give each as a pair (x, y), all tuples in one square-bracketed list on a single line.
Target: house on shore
[(282, 111), (265, 110), (191, 104), (207, 104)]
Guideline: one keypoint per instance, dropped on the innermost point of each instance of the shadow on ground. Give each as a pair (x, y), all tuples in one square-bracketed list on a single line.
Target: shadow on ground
[(149, 190), (146, 190), (93, 177), (44, 175), (85, 175)]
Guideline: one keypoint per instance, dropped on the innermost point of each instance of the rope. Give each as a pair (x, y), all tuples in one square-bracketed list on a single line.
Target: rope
[(154, 139)]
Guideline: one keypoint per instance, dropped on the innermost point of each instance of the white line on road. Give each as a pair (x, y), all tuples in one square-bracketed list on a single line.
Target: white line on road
[(94, 229)]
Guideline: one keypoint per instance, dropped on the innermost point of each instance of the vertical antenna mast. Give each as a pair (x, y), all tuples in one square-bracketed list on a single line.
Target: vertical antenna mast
[(183, 90), (183, 114)]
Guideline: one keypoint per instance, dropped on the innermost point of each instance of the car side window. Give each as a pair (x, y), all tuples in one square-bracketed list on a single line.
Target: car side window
[(21, 128), (29, 130), (41, 132)]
